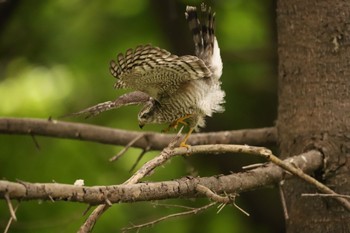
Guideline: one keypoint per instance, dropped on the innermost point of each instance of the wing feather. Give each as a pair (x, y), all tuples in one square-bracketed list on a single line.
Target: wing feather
[(132, 98), (156, 71)]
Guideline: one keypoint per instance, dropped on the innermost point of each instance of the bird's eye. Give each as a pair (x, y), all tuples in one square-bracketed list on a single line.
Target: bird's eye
[(143, 116)]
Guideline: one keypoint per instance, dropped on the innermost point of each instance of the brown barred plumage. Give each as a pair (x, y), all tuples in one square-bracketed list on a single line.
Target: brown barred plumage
[(172, 89), (156, 71)]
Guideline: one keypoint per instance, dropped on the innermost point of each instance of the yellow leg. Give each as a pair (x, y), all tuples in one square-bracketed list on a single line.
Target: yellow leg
[(181, 120), (175, 123), (183, 143)]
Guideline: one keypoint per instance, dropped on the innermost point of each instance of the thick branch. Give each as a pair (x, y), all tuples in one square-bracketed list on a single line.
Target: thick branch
[(152, 141), (184, 188)]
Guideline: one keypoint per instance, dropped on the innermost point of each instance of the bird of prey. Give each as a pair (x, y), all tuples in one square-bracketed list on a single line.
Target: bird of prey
[(172, 89)]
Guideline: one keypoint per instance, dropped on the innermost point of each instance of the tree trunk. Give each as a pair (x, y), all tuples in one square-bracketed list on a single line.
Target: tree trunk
[(314, 106)]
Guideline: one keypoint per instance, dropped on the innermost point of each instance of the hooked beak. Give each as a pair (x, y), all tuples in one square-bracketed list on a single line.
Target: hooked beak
[(141, 126)]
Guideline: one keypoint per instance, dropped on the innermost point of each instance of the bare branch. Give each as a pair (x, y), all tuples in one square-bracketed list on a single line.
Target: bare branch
[(324, 195), (155, 141), (183, 188), (151, 223), (142, 172)]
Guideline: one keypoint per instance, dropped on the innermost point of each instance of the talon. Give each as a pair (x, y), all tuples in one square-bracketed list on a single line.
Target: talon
[(188, 153), (174, 124), (181, 120), (183, 143)]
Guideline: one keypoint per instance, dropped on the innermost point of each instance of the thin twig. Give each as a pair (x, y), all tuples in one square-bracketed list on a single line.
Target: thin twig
[(220, 207), (91, 220), (143, 152), (253, 166), (283, 200), (324, 195), (151, 223), (86, 210), (9, 204), (224, 200), (241, 209), (172, 205), (10, 220), (126, 148), (213, 196), (36, 143)]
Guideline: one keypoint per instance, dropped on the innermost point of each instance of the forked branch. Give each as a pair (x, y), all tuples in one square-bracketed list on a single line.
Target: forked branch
[(268, 174), (139, 174)]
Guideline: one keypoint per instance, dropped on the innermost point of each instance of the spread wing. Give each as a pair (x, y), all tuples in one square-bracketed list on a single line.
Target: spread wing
[(132, 98), (156, 71)]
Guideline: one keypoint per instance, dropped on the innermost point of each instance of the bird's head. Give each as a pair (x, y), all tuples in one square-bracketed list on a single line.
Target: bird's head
[(147, 114)]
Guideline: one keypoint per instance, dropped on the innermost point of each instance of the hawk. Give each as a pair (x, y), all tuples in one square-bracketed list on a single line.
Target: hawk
[(172, 89)]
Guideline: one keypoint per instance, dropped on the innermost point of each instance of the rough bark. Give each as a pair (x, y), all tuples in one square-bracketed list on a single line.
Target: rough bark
[(314, 105), (149, 140), (263, 176)]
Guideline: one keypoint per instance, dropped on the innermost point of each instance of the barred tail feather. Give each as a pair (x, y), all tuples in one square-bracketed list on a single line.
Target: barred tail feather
[(202, 28), (206, 46)]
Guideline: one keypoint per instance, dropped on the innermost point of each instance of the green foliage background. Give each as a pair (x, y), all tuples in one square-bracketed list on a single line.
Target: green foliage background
[(54, 60)]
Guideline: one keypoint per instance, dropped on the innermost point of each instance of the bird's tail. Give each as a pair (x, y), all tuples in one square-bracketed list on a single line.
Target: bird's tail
[(203, 31), (202, 28)]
